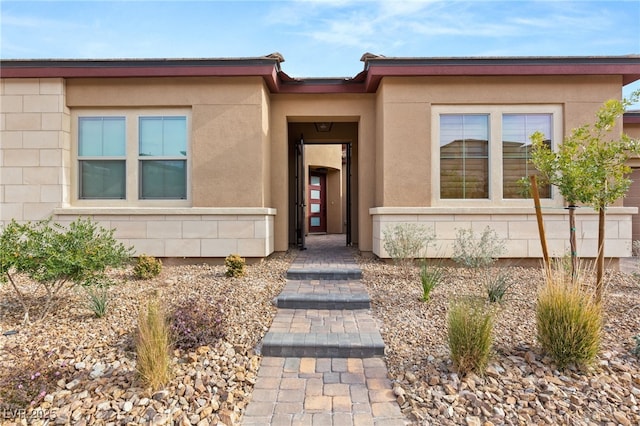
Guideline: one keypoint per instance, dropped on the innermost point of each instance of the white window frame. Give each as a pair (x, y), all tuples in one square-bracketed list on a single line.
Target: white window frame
[(132, 157), (495, 113)]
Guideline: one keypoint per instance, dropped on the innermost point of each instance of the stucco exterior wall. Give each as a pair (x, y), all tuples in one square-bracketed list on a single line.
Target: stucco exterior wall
[(35, 143), (340, 109)]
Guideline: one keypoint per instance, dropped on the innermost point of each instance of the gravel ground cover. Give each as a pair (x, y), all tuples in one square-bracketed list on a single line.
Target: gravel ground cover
[(90, 363), (520, 386), (86, 365)]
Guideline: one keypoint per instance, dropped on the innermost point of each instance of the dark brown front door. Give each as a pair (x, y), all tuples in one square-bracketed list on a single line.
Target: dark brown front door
[(317, 203)]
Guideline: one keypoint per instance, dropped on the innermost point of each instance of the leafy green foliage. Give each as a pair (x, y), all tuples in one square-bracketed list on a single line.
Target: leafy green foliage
[(589, 167), (153, 345), (469, 335), (405, 242), (569, 321), (235, 265), (57, 258), (147, 267)]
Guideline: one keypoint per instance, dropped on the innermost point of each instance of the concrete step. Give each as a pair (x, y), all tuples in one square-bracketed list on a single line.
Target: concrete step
[(320, 273), (323, 294), (323, 345), (323, 333)]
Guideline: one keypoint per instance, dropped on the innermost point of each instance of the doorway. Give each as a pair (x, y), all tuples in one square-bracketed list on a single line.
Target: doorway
[(323, 182), (317, 202)]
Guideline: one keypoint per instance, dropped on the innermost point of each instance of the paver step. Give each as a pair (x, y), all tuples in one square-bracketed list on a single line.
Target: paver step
[(319, 273), (323, 345), (323, 301)]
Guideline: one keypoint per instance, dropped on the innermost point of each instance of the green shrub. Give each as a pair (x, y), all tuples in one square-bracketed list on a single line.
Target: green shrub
[(496, 286), (430, 278), (469, 335), (405, 242), (569, 321), (636, 350), (147, 267), (153, 345), (58, 258), (235, 265)]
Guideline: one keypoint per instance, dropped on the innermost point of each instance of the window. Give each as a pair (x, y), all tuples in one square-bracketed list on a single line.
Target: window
[(516, 151), (163, 147), (102, 157), (464, 156), (134, 156), (483, 151)]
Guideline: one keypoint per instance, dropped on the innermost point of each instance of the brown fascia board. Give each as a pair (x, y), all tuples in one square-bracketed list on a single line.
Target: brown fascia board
[(631, 117), (628, 67), (264, 67)]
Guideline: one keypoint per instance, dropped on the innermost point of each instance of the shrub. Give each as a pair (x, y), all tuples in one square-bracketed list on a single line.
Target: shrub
[(496, 287), (26, 384), (235, 265), (147, 267), (430, 278), (193, 324), (98, 300), (405, 242), (57, 258), (568, 320), (153, 345), (473, 251), (469, 335), (636, 350)]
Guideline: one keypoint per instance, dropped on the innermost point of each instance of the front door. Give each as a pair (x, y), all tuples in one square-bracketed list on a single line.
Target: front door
[(317, 202)]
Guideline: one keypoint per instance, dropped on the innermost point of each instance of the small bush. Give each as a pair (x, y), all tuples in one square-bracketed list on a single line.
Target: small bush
[(153, 345), (636, 350), (469, 336), (430, 278), (98, 300), (235, 265), (496, 287), (26, 384), (194, 325), (147, 267), (474, 251), (569, 321), (405, 242)]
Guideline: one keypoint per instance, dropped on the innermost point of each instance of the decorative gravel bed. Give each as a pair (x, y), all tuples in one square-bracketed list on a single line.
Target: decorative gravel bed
[(520, 386), (95, 362), (90, 362)]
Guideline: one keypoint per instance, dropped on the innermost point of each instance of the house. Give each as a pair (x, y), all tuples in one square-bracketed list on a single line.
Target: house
[(200, 158)]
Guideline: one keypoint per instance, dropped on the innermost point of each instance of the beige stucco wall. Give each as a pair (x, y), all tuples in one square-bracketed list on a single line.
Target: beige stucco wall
[(34, 148), (340, 109), (404, 119)]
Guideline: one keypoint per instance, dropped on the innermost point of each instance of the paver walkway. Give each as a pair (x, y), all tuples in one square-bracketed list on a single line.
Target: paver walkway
[(322, 361)]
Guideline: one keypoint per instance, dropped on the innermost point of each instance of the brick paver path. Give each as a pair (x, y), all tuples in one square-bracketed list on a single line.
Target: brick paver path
[(334, 389)]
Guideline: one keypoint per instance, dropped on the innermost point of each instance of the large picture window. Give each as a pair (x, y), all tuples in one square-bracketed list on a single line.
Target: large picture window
[(484, 151), (132, 157)]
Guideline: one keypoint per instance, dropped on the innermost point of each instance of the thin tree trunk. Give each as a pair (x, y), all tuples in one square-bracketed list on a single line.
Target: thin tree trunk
[(573, 243), (543, 238), (600, 260)]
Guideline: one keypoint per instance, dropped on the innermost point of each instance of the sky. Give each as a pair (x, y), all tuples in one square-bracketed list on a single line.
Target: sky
[(318, 38)]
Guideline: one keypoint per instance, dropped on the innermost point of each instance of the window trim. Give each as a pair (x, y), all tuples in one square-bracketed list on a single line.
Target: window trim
[(495, 113), (132, 187)]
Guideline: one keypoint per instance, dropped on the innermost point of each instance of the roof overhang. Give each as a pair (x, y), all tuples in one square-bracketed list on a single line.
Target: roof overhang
[(375, 69), (631, 117)]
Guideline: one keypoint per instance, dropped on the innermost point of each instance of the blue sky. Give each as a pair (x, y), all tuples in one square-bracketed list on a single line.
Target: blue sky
[(317, 38)]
